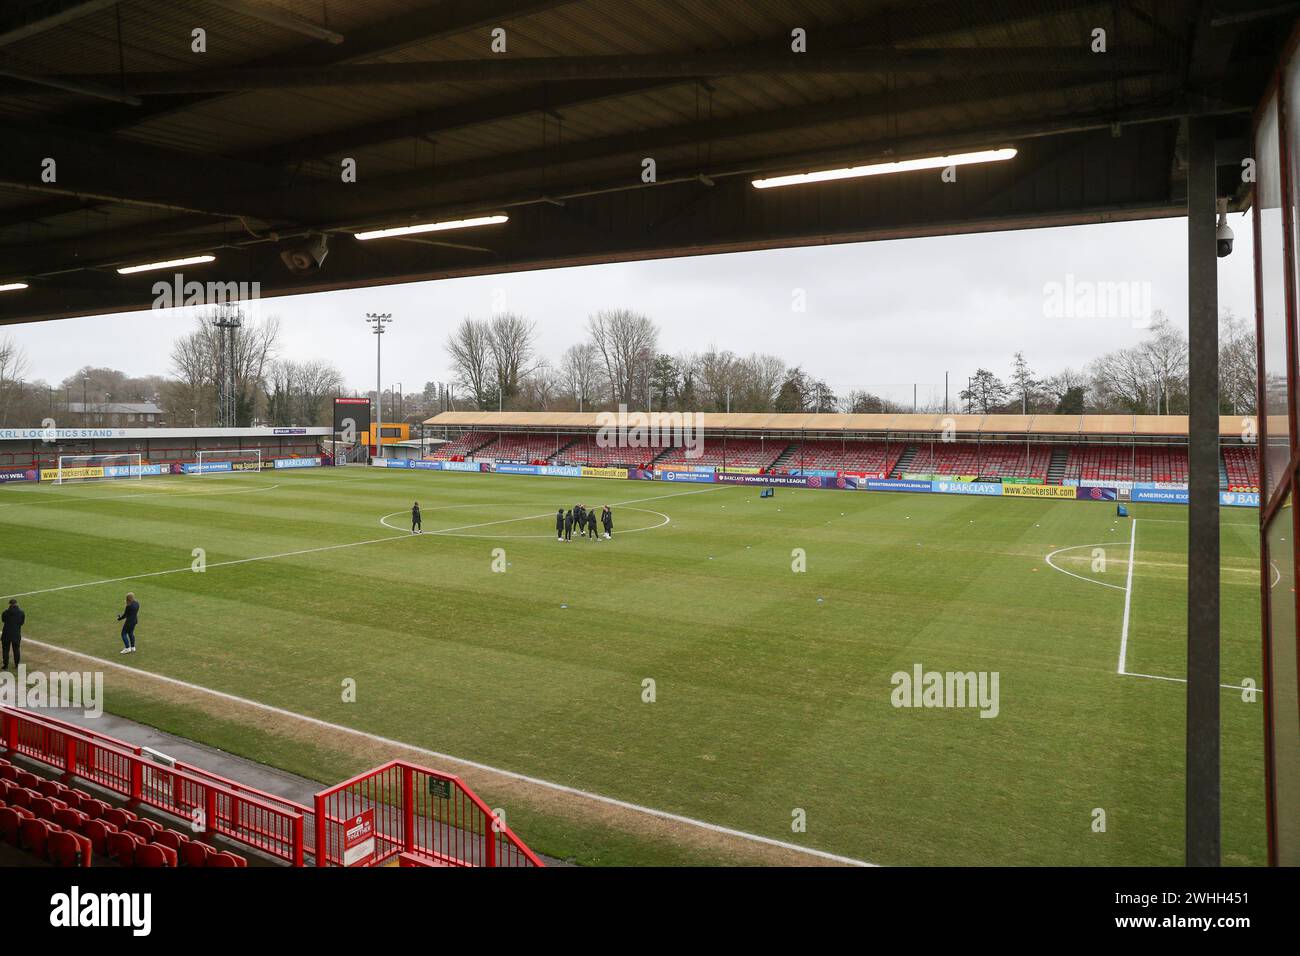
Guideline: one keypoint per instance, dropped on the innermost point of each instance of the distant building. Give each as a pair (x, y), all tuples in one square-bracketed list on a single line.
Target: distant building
[(117, 414)]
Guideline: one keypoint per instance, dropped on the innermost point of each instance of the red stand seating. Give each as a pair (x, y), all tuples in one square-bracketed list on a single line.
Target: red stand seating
[(69, 827)]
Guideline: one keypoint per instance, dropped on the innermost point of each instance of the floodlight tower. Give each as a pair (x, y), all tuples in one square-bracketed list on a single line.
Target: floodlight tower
[(227, 321), (377, 321)]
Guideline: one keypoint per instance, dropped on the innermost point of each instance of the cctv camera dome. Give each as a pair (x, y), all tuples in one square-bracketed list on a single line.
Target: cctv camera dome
[(307, 256)]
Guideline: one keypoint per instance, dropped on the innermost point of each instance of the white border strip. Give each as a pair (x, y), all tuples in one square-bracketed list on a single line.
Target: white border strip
[(510, 774)]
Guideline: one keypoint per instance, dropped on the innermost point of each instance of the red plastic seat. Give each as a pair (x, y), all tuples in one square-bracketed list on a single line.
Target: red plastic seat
[(70, 819), (194, 853), (48, 788), (95, 808), (122, 846), (22, 797), (9, 772), (172, 839), (118, 817), (73, 798), (97, 832), (34, 835), (9, 823), (44, 808), (146, 829), (154, 855), (226, 859), (26, 779), (70, 849)]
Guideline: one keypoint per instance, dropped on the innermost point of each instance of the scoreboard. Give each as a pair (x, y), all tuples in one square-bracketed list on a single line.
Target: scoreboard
[(351, 418)]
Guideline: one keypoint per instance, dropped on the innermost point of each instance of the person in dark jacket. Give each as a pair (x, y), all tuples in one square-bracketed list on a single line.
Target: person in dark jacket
[(607, 519), (579, 517), (415, 519), (559, 524), (591, 524), (568, 526), (128, 618), (12, 633)]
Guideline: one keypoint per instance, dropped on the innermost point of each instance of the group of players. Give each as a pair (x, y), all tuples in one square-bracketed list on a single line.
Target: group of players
[(582, 519)]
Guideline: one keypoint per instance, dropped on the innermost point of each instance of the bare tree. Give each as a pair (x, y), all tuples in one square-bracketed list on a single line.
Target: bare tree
[(510, 342), (626, 342), (1165, 354), (13, 370), (716, 376), (757, 380), (470, 350), (577, 375), (539, 389), (1237, 366), (1057, 386)]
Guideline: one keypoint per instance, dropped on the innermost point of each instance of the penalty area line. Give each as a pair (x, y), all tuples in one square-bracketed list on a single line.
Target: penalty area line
[(509, 774)]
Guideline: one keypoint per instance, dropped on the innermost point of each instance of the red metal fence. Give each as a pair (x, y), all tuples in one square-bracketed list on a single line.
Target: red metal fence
[(423, 814), (209, 804)]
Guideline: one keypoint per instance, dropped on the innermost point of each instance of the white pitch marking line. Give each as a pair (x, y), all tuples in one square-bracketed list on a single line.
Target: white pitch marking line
[(1128, 596), (215, 564), (450, 532), (537, 781), (1075, 547), (1183, 680)]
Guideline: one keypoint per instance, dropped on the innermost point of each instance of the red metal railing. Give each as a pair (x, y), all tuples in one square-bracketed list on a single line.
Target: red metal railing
[(423, 813), (209, 804)]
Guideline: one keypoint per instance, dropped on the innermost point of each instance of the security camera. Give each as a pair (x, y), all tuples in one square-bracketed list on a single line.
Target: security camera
[(1224, 236), (306, 256)]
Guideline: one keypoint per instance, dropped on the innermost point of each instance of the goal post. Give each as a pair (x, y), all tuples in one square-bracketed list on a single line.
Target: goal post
[(214, 461), (98, 467)]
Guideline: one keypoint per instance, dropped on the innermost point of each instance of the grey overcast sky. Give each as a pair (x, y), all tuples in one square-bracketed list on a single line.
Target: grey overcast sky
[(878, 316)]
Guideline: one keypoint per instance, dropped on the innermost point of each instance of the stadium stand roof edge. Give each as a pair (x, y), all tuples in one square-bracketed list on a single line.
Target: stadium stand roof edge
[(1094, 425)]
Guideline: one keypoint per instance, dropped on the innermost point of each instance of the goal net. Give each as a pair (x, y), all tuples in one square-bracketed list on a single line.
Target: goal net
[(215, 461), (97, 467)]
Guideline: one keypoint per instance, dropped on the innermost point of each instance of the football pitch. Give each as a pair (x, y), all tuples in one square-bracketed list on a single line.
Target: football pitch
[(725, 658)]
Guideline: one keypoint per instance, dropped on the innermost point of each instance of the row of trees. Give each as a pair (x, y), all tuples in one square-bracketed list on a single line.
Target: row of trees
[(268, 388), (495, 365), (1149, 378)]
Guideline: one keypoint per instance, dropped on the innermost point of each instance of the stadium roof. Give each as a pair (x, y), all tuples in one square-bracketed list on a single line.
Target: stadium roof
[(1172, 426), (237, 152)]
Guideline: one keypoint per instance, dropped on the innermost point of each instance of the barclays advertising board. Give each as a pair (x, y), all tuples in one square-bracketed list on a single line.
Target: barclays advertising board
[(1239, 499), (966, 488)]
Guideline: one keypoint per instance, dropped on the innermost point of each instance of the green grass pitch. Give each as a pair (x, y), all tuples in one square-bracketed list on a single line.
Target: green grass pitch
[(772, 687)]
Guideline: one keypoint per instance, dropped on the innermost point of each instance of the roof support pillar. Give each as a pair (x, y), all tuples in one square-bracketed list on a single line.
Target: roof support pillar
[(1203, 692)]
